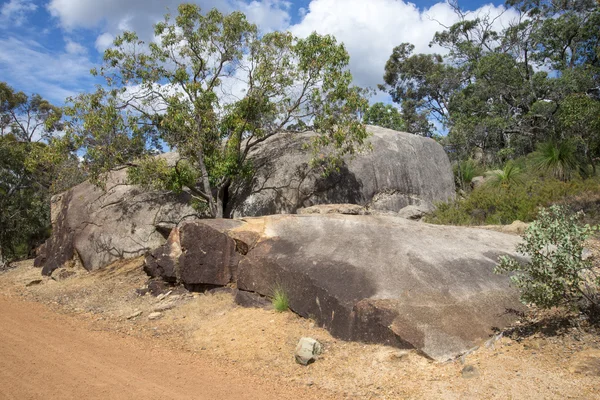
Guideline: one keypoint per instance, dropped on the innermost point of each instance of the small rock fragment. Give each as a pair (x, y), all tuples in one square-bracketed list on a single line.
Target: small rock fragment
[(252, 300), (134, 315), (157, 287), (469, 371), (165, 307), (155, 315), (307, 351), (34, 282), (62, 274)]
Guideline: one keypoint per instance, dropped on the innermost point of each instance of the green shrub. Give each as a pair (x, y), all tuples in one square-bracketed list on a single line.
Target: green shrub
[(559, 158), (464, 172), (509, 176), (280, 300), (557, 273), (517, 193)]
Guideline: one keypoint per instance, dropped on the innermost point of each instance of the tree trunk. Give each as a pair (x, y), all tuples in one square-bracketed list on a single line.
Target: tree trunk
[(206, 185), (221, 200), (219, 208)]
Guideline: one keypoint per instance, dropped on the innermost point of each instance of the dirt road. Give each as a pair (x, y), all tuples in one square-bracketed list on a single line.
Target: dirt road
[(44, 355)]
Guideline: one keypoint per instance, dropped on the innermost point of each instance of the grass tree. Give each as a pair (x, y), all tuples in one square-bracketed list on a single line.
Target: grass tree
[(213, 88), (561, 159)]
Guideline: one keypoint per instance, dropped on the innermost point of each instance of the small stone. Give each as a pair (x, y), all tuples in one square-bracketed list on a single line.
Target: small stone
[(34, 282), (62, 274), (155, 315), (469, 371), (134, 315), (490, 344), (165, 307), (307, 351), (163, 296)]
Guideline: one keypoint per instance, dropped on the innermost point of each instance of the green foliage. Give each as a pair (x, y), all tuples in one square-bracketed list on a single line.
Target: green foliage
[(464, 172), (384, 115), (515, 195), (24, 201), (559, 158), (557, 273), (281, 301), (27, 118), (533, 81), (507, 178), (27, 125), (422, 83), (178, 91)]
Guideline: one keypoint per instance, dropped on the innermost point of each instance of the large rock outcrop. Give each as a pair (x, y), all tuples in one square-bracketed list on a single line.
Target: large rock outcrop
[(100, 227), (126, 220), (401, 170), (368, 278)]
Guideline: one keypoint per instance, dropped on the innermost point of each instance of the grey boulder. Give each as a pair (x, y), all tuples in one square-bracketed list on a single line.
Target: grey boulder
[(402, 169), (99, 227), (376, 279)]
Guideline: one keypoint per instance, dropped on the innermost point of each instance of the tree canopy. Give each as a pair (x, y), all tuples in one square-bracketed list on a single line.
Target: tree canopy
[(503, 92), (27, 123), (212, 88), (384, 115)]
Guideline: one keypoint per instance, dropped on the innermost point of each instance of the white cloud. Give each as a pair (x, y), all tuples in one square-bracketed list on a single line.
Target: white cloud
[(74, 48), (371, 29), (37, 70), (15, 12), (114, 16), (104, 41), (269, 15)]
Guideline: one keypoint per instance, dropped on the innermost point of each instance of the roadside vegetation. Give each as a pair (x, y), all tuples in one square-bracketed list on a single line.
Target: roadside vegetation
[(517, 191)]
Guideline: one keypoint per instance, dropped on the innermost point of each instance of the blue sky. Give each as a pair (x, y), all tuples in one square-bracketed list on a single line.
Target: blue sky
[(49, 46)]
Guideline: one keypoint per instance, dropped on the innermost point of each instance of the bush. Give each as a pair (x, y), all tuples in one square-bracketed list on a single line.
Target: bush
[(517, 194), (509, 176), (464, 172), (559, 158), (557, 274)]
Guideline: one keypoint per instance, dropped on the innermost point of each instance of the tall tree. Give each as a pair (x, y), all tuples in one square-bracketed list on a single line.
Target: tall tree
[(212, 88), (384, 115), (503, 92), (26, 123)]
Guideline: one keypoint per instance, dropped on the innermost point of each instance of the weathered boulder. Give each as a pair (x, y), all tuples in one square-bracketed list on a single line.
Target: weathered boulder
[(413, 212), (100, 227), (375, 279), (403, 169)]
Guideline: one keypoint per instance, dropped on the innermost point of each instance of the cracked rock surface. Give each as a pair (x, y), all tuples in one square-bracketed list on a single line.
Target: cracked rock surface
[(375, 279), (101, 227)]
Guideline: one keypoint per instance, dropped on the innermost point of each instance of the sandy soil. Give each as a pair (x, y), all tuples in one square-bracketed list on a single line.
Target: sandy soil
[(209, 334), (44, 355)]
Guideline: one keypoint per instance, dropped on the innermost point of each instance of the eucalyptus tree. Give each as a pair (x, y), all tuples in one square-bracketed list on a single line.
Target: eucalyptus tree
[(384, 115), (27, 123), (211, 87), (505, 88)]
